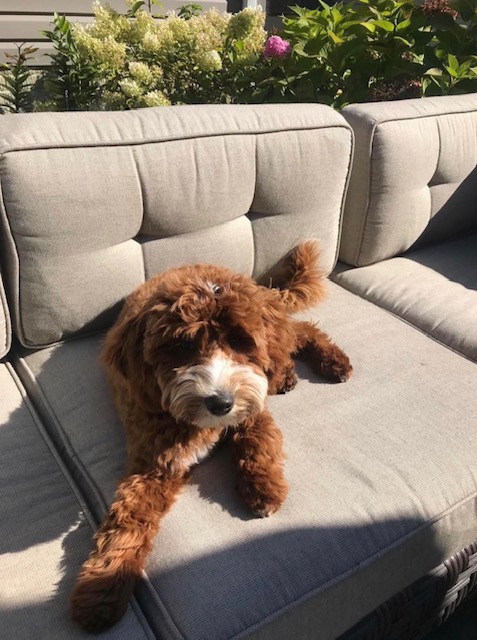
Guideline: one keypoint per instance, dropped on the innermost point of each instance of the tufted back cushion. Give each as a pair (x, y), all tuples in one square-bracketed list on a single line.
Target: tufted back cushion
[(94, 203), (414, 177)]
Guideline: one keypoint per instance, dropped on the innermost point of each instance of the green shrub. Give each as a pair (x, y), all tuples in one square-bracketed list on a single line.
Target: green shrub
[(348, 52), (70, 81), (16, 81), (134, 60), (385, 49)]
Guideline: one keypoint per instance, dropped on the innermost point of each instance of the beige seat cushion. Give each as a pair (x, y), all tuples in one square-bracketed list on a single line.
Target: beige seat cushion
[(381, 472), (45, 530), (435, 289)]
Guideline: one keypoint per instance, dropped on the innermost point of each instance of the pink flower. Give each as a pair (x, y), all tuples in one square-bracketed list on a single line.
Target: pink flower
[(276, 47)]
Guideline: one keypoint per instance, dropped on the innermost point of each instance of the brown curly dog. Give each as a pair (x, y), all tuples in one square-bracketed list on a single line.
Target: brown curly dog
[(191, 359)]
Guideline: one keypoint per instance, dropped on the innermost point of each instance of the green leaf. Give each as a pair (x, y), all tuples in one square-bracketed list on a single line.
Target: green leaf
[(336, 39), (465, 66), (299, 50), (452, 62), (135, 8), (386, 25), (375, 11), (434, 71), (314, 46), (452, 72), (337, 16), (369, 26), (407, 43), (326, 8), (403, 25)]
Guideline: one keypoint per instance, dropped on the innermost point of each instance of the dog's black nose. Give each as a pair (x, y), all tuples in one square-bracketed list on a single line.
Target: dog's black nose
[(219, 404)]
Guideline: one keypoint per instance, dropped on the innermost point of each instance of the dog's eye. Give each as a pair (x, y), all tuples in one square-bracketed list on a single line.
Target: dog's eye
[(186, 345), (240, 341)]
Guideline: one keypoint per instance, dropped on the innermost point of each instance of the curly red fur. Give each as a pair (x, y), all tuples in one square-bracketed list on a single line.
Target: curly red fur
[(190, 360), (306, 282)]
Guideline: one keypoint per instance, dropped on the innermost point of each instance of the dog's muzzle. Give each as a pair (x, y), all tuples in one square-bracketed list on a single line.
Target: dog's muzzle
[(217, 393)]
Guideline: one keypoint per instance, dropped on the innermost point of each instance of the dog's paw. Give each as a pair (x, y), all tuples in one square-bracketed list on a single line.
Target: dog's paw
[(98, 602), (263, 495), (337, 369), (284, 380), (266, 509), (289, 383)]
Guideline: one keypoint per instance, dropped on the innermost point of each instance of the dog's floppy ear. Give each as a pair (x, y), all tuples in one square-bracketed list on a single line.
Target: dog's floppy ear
[(154, 329), (122, 350)]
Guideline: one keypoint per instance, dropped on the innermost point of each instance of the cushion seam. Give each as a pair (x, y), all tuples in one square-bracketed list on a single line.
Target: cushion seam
[(141, 618), (15, 276), (8, 324), (143, 208), (70, 451), (137, 143), (439, 155), (172, 628), (52, 449), (41, 430), (416, 116), (367, 195), (344, 193)]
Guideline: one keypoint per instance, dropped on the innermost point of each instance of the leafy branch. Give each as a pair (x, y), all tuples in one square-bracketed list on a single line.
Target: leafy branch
[(15, 93)]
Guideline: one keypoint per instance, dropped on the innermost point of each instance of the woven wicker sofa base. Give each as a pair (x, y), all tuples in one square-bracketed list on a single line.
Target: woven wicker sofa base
[(423, 606)]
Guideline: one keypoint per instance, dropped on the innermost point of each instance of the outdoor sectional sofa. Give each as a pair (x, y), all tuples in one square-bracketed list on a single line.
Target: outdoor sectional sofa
[(377, 536)]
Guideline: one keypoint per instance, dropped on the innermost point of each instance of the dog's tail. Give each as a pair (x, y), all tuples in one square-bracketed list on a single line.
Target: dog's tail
[(306, 284)]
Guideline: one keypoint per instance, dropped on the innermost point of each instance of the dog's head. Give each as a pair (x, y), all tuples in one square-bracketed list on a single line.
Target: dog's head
[(195, 340)]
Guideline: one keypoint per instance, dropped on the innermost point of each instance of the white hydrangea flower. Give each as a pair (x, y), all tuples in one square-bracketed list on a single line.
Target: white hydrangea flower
[(155, 99), (141, 72), (210, 61), (130, 88), (107, 54), (248, 26), (151, 43)]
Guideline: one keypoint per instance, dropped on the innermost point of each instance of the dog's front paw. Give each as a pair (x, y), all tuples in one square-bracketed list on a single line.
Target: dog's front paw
[(290, 381), (283, 381), (263, 495), (337, 368), (264, 508), (99, 601)]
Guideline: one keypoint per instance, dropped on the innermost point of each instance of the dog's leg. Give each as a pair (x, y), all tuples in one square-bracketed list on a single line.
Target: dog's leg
[(327, 358), (124, 540), (107, 579), (283, 379), (258, 455)]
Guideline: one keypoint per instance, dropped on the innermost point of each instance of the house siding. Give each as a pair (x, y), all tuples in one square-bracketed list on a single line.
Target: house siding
[(24, 20)]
